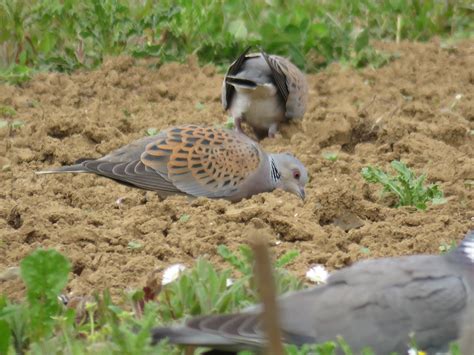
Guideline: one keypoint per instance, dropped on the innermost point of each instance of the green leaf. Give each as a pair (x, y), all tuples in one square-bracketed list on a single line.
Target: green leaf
[(200, 106), (134, 245), (45, 273), (320, 29), (286, 258), (229, 124), (184, 218), (238, 29), (331, 156), (17, 124), (7, 111), (438, 200), (361, 40), (344, 346), (5, 336), (232, 259), (152, 131)]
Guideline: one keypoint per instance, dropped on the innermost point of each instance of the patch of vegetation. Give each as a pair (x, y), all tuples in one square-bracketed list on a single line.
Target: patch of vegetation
[(66, 35), (7, 111), (408, 189), (184, 218), (152, 131), (229, 124), (331, 156), (43, 325), (133, 245), (446, 248), (15, 124)]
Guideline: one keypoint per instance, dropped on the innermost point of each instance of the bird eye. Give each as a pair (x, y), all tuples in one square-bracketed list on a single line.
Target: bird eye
[(296, 174)]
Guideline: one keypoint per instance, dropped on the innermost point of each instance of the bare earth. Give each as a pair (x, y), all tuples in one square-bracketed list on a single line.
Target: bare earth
[(419, 108)]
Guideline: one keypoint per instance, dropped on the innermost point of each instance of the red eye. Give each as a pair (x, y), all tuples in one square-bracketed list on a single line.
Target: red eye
[(296, 174)]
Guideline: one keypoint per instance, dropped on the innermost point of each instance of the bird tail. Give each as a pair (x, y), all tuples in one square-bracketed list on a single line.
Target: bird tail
[(76, 168), (225, 332), (240, 82), (187, 336)]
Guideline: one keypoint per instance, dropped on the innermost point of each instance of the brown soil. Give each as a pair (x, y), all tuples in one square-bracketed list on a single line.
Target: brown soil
[(406, 110)]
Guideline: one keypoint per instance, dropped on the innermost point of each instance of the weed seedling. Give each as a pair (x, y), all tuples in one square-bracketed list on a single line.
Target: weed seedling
[(134, 245), (447, 247), (409, 189), (331, 156), (229, 124), (184, 218), (7, 111), (152, 131)]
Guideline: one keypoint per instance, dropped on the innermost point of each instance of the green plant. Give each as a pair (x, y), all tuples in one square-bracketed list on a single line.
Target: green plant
[(206, 290), (45, 274), (67, 35), (151, 131), (133, 245), (446, 248), (229, 124), (243, 263), (7, 111), (41, 325), (331, 156), (409, 189), (15, 124), (184, 218)]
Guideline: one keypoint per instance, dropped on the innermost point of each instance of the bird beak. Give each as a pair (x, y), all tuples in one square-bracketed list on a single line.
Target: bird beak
[(301, 193)]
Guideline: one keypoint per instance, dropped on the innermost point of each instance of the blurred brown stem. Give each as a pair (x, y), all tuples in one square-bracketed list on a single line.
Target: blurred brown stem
[(266, 287)]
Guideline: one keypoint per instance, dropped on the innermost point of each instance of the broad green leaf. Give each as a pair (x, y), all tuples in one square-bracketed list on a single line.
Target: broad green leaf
[(45, 273)]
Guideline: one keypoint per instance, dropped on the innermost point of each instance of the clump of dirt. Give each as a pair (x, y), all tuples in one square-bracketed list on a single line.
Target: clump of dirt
[(419, 108)]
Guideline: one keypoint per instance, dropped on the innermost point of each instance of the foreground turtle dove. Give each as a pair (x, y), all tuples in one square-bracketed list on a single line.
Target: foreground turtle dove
[(264, 91), (198, 161), (377, 303)]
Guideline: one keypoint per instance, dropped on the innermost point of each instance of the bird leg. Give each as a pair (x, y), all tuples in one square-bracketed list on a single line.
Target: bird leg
[(272, 130), (238, 124)]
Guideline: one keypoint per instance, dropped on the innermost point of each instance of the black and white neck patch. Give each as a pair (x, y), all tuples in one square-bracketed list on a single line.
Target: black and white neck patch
[(275, 173)]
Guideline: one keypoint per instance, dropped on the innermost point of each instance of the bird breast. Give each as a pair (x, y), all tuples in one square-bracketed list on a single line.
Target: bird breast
[(260, 107)]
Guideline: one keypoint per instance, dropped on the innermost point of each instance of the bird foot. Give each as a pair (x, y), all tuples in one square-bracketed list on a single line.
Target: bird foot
[(272, 130)]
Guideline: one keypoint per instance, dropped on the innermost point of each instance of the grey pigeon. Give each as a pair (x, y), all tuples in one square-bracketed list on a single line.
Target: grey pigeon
[(374, 303), (264, 91), (198, 161)]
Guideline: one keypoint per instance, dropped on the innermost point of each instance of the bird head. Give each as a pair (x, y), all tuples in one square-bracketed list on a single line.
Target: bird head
[(289, 174)]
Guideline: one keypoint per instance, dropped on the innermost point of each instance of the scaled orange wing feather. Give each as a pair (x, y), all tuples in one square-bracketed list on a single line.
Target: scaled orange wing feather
[(203, 161)]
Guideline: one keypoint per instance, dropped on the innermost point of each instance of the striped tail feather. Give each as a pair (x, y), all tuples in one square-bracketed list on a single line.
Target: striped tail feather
[(76, 168)]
